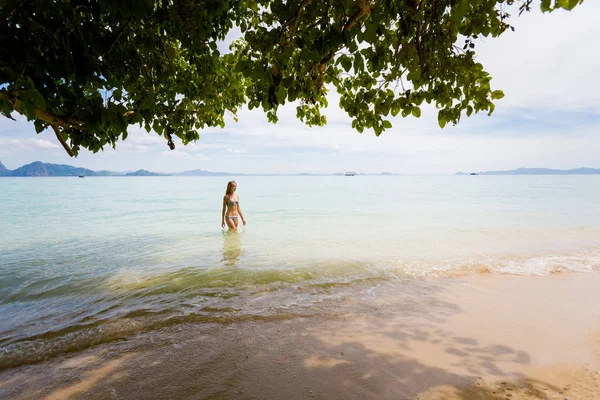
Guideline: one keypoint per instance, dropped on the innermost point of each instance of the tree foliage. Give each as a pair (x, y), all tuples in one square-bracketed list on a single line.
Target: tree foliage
[(90, 68)]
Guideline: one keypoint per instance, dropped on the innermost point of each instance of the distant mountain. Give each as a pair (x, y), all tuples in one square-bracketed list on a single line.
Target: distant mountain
[(199, 172), (539, 171), (143, 172), (109, 173), (41, 169)]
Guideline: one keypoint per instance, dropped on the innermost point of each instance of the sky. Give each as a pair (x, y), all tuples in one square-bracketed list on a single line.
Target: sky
[(549, 117)]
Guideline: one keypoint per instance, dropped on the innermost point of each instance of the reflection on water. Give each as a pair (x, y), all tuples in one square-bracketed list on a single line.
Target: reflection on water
[(232, 249)]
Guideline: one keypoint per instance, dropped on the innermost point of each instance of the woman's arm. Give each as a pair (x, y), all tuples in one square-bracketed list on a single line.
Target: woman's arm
[(240, 212), (223, 212)]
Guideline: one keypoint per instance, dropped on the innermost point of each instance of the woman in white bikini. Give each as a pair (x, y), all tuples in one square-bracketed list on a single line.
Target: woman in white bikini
[(231, 207)]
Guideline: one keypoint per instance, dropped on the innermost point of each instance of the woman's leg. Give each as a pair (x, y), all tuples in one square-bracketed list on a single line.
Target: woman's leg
[(230, 223)]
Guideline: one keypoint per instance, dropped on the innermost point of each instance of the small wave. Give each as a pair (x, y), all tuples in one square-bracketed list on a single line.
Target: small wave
[(127, 303), (499, 265), (77, 338), (551, 264)]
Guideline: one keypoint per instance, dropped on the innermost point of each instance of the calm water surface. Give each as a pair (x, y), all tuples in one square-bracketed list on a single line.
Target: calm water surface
[(84, 261)]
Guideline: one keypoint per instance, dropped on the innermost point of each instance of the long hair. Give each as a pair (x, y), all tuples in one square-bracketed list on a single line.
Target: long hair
[(229, 187)]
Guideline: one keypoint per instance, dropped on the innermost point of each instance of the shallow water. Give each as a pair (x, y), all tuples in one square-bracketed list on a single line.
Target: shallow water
[(84, 261)]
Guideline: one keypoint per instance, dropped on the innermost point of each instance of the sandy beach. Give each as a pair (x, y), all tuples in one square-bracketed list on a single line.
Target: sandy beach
[(477, 337)]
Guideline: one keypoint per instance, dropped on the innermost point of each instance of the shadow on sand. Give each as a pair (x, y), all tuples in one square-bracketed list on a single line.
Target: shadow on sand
[(353, 349)]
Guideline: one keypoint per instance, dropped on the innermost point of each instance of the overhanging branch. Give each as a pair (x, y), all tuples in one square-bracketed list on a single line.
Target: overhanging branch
[(44, 115), (55, 122), (364, 8), (62, 141)]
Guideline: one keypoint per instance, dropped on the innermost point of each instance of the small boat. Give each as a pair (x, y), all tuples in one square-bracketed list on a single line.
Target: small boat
[(81, 176), (349, 174), (474, 173)]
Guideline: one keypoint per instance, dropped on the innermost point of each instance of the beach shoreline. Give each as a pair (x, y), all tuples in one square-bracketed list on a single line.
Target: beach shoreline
[(475, 337)]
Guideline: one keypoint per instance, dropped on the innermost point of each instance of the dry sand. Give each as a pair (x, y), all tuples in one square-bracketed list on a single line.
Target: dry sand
[(481, 337)]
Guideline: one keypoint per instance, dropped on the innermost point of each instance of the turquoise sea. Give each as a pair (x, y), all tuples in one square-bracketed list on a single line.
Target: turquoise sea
[(87, 261)]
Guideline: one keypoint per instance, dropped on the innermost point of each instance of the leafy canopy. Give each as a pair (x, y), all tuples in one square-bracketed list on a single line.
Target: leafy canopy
[(90, 68)]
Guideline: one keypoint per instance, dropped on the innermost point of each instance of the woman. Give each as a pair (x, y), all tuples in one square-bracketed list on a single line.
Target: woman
[(231, 202)]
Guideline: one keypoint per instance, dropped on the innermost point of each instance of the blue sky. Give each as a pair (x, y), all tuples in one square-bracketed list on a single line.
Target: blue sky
[(549, 117)]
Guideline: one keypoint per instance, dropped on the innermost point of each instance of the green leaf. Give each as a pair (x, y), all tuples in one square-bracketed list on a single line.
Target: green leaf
[(460, 10), (346, 63), (170, 51), (396, 107), (36, 99), (292, 94), (572, 4), (416, 111), (39, 126), (359, 63), (6, 107), (28, 110), (281, 94), (545, 6), (241, 66), (387, 124), (370, 34), (497, 94), (441, 120)]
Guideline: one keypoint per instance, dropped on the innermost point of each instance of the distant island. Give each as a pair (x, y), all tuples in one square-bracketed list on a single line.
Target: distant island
[(537, 171), (41, 169), (143, 172), (199, 172)]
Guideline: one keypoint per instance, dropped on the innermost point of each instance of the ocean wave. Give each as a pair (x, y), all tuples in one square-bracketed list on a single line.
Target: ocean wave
[(40, 321)]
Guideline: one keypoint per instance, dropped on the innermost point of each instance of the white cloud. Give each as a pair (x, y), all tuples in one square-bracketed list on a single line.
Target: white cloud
[(28, 144), (138, 135), (176, 153), (548, 61), (137, 148), (44, 144)]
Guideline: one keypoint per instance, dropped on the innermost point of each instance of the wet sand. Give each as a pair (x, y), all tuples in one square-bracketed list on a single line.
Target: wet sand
[(479, 337)]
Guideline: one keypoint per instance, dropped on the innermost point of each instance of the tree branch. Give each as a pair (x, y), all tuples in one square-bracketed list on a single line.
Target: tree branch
[(298, 14), (44, 115), (418, 37), (118, 36), (364, 8), (62, 141)]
